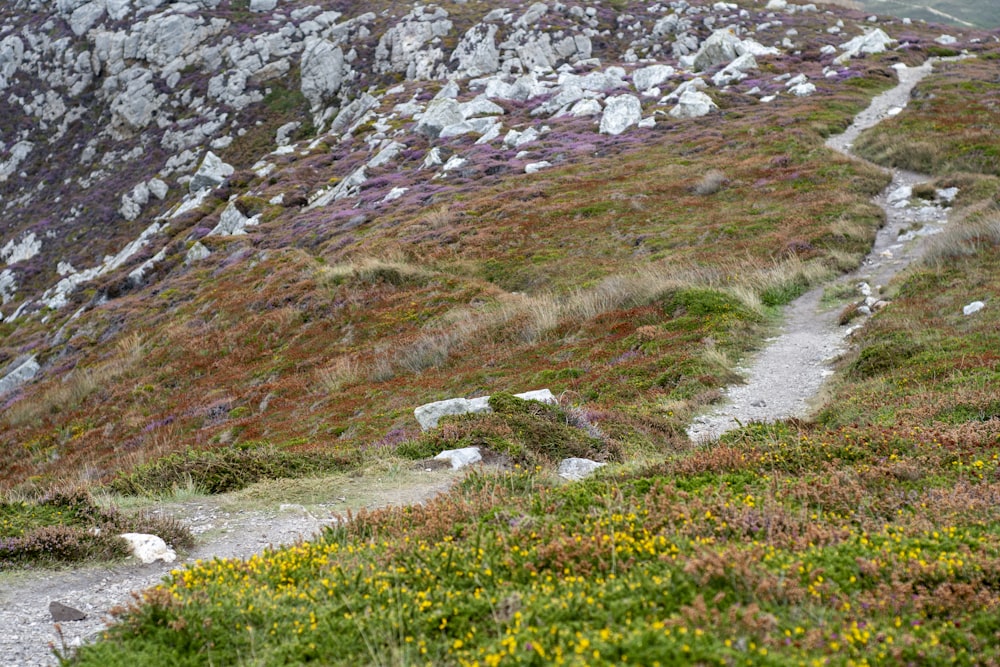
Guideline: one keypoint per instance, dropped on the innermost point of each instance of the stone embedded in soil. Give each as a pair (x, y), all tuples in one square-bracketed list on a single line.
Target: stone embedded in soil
[(460, 458), (973, 307), (62, 613), (578, 468)]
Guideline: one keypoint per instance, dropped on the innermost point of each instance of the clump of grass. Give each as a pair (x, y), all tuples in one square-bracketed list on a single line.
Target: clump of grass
[(710, 183), (68, 527), (371, 271), (225, 469), (963, 240), (342, 372), (80, 384), (527, 432)]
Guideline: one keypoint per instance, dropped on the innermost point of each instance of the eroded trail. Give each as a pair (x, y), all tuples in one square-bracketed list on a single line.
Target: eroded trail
[(784, 378), (236, 526)]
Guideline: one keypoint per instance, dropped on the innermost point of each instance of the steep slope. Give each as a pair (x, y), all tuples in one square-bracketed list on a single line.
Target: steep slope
[(231, 223)]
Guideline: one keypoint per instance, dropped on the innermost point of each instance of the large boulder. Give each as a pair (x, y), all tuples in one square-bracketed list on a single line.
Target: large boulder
[(18, 373), (440, 113), (873, 41), (693, 104), (721, 47), (212, 172), (649, 77), (412, 46), (429, 414), (620, 113), (477, 53), (323, 71)]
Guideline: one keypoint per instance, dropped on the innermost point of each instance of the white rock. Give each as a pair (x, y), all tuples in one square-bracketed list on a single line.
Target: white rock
[(460, 458), (696, 83), (196, 253), (900, 194), (429, 414), (946, 40), (735, 71), (620, 113), (803, 89), (535, 167), (233, 223), (693, 104), (873, 41), (149, 548), (263, 5), (946, 194), (973, 307), (585, 108), (211, 173), (29, 246), (394, 194), (8, 287), (157, 188), (648, 77), (322, 71), (577, 468), (439, 114), (20, 372)]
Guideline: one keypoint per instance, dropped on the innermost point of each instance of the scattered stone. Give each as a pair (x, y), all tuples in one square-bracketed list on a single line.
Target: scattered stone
[(149, 548), (460, 458), (535, 167), (62, 613), (575, 469), (973, 307)]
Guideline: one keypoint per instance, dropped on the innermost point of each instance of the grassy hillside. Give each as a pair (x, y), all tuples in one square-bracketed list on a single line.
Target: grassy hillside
[(868, 535)]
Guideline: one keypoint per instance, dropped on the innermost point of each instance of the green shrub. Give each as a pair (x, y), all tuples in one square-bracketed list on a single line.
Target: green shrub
[(885, 354), (69, 527), (228, 469), (528, 432)]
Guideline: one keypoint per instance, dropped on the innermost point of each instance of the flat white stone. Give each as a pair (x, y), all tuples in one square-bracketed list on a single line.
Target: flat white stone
[(460, 458), (149, 548), (973, 307)]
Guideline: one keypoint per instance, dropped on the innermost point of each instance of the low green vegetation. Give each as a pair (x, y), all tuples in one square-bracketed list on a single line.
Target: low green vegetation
[(950, 125), (69, 527), (225, 469), (526, 432)]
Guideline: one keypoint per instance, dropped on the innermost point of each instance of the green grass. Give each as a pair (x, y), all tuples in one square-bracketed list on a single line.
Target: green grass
[(225, 469), (69, 527), (949, 126)]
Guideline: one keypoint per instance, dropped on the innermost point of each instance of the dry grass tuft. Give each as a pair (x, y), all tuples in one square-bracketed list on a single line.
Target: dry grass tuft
[(342, 372), (963, 239), (711, 183), (78, 385)]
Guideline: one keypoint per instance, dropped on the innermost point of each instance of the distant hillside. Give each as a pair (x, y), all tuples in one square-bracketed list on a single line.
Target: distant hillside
[(968, 13)]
